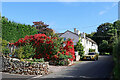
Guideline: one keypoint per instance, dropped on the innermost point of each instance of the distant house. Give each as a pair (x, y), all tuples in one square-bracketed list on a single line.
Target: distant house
[(76, 36)]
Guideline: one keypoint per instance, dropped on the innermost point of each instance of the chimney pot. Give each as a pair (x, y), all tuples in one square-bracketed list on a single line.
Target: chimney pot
[(75, 30)]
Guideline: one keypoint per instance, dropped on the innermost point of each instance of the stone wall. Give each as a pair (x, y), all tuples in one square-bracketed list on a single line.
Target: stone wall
[(15, 66)]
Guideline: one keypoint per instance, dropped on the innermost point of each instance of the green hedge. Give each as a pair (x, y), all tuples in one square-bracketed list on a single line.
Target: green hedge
[(116, 56), (12, 31)]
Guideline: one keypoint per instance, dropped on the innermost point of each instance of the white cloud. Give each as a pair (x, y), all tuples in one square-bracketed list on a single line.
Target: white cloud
[(102, 12), (114, 4), (107, 9)]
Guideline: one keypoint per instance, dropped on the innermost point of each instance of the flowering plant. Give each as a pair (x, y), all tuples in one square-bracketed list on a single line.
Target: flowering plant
[(49, 48)]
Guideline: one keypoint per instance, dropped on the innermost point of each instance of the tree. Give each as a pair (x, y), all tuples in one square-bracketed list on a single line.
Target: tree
[(4, 47), (103, 47), (116, 25), (79, 47), (12, 31), (0, 33), (26, 51), (43, 28), (91, 34), (105, 32), (116, 57)]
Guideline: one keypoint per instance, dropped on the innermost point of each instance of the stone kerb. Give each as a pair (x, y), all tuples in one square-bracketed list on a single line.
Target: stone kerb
[(15, 66)]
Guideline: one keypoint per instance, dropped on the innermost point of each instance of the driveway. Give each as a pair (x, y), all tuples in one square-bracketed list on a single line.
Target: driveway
[(83, 70)]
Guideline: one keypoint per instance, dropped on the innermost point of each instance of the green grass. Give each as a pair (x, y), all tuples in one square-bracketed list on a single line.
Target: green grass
[(107, 53)]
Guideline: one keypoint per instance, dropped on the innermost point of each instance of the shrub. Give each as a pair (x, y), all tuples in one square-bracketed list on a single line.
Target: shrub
[(105, 53), (38, 60), (91, 50), (49, 48), (5, 49), (79, 47), (116, 57), (19, 52), (26, 51)]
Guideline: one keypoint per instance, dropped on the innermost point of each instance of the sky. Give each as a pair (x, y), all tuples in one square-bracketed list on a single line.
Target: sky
[(62, 16)]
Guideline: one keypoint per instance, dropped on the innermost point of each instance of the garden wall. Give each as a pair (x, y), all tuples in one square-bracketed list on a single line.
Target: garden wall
[(15, 66)]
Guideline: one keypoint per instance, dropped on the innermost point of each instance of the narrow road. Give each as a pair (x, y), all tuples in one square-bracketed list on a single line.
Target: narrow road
[(85, 70)]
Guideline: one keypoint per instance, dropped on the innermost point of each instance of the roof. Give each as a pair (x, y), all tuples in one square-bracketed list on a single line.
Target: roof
[(78, 36), (68, 31), (91, 40), (60, 34)]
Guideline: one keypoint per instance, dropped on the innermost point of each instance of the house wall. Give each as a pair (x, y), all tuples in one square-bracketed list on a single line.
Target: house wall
[(88, 44), (85, 42), (74, 37)]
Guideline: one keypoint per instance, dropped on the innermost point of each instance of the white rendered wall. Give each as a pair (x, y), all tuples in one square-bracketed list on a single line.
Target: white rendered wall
[(86, 43)]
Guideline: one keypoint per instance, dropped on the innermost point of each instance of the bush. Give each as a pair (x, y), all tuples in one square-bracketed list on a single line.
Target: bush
[(26, 51), (63, 62), (79, 47), (116, 56), (19, 53), (91, 50), (38, 60), (12, 31), (59, 62), (49, 48), (35, 60), (5, 49), (105, 53)]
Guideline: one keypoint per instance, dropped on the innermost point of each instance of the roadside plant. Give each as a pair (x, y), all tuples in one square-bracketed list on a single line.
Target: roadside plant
[(91, 50), (79, 47), (50, 48), (116, 57), (5, 49), (19, 52), (38, 60), (26, 51)]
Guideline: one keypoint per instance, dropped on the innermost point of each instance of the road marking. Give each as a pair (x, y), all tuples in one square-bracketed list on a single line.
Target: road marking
[(0, 75), (84, 76), (35, 77)]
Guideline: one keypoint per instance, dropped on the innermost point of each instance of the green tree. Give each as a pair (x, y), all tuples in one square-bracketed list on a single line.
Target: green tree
[(116, 57), (103, 47), (79, 47), (91, 50), (0, 25), (12, 31), (43, 28), (5, 49), (26, 51), (91, 34), (116, 25), (105, 32)]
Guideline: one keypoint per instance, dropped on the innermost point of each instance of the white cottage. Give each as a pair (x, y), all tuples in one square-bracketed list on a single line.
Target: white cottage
[(76, 36)]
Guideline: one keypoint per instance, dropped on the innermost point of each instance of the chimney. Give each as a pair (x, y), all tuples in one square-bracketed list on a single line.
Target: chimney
[(74, 30), (78, 32), (83, 35)]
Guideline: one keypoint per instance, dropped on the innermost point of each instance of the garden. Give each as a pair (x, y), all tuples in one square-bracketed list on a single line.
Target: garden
[(40, 47)]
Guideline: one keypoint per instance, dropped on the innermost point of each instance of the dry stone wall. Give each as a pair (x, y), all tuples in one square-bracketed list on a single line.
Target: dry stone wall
[(15, 66)]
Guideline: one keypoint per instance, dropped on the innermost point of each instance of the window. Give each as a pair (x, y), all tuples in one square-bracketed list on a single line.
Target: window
[(81, 39), (87, 41), (92, 44), (64, 39)]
